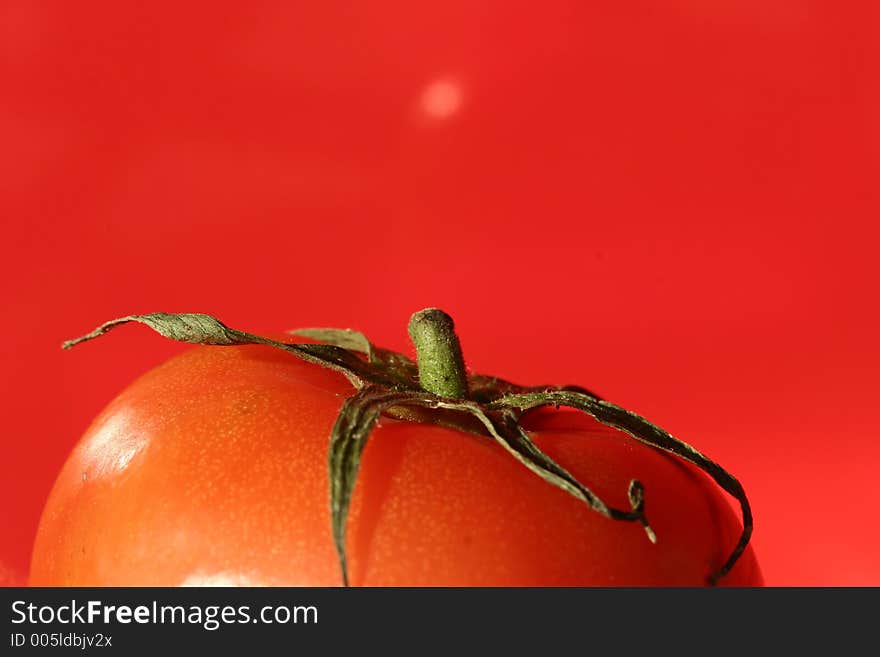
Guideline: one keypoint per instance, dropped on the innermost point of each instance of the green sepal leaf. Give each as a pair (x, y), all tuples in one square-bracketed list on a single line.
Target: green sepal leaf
[(486, 389), (644, 431), (345, 338), (504, 427), (355, 422), (515, 439), (393, 366), (196, 328)]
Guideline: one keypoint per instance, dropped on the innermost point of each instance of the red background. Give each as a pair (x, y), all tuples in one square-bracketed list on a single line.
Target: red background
[(673, 203)]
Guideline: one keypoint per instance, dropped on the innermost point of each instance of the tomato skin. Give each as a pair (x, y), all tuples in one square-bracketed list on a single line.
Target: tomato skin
[(212, 469)]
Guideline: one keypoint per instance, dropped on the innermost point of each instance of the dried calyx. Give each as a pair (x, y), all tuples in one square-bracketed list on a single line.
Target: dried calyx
[(437, 389)]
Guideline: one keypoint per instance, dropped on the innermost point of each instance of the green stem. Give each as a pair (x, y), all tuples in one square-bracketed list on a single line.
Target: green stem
[(441, 366)]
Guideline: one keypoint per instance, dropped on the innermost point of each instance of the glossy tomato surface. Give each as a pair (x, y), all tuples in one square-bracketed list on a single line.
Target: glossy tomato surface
[(212, 469)]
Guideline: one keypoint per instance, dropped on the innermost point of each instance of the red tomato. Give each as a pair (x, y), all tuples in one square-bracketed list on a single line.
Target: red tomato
[(212, 469)]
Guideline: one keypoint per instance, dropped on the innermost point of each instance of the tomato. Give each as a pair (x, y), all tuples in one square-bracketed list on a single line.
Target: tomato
[(212, 469)]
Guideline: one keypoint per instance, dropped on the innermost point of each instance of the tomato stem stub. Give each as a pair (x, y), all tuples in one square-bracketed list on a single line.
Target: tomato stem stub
[(438, 351)]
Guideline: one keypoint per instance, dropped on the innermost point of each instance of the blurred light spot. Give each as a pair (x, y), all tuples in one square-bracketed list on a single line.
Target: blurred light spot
[(441, 99)]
